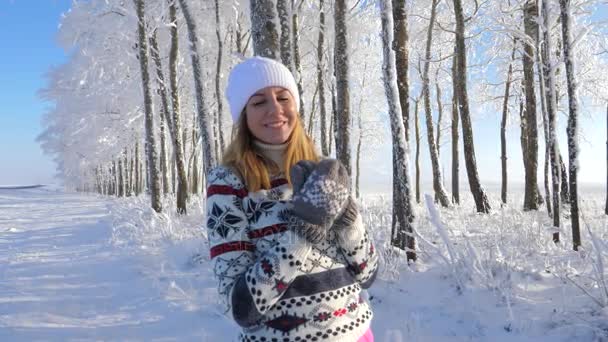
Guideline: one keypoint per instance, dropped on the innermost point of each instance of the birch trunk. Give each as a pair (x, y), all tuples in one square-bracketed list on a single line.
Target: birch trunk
[(295, 31), (401, 60), (210, 159), (176, 126), (529, 124), (151, 154), (503, 127), (572, 120), (455, 139), (121, 185), (606, 207), (137, 171), (402, 230), (417, 128), (479, 195), (341, 62), (552, 116), (285, 39), (263, 29), (218, 71), (543, 104), (320, 81), (440, 193)]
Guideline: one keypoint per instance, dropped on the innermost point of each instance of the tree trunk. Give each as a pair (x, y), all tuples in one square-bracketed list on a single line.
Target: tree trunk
[(263, 28), (358, 193), (552, 116), (564, 188), (341, 65), (417, 127), (126, 176), (543, 104), (439, 117), (402, 230), (529, 124), (455, 139), (402, 59), (333, 136), (572, 120), (479, 195), (320, 82), (148, 110), (606, 207), (285, 39), (503, 127), (137, 174), (176, 126), (218, 72), (295, 31), (121, 184), (163, 155), (201, 106), (440, 193)]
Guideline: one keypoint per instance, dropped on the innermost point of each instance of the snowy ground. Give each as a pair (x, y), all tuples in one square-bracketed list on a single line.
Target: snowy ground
[(84, 267)]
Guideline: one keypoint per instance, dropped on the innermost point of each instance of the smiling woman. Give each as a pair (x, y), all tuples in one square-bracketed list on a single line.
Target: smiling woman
[(289, 249), (271, 114)]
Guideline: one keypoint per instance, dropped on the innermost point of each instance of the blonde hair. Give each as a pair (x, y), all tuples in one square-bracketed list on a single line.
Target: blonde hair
[(242, 155)]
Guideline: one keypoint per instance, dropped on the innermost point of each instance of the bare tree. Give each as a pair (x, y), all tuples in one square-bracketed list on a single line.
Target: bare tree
[(175, 128), (218, 72), (402, 230), (439, 114), (551, 103), (455, 139), (606, 208), (417, 131), (295, 32), (572, 120), (503, 126), (320, 82), (440, 193), (121, 183), (285, 39), (402, 60), (479, 195), (263, 28), (148, 110), (341, 62), (201, 106), (529, 123)]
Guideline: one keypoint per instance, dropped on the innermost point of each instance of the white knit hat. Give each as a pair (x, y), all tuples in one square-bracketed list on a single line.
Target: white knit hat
[(253, 74)]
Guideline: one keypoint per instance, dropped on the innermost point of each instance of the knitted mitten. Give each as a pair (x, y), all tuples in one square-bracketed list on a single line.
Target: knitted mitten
[(324, 194), (313, 233), (348, 217)]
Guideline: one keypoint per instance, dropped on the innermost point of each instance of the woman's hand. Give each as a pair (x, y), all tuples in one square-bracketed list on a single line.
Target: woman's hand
[(324, 193)]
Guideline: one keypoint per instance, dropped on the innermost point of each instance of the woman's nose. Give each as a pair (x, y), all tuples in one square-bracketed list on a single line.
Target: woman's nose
[(275, 106)]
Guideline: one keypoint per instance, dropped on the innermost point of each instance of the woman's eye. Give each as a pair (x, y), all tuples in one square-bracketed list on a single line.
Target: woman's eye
[(283, 99), (258, 103)]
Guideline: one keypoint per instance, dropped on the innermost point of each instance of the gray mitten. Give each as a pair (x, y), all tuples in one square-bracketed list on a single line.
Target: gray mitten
[(311, 232), (299, 173), (348, 217), (323, 196)]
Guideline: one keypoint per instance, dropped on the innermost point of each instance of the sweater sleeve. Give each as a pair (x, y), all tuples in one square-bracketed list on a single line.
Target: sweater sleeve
[(357, 247), (248, 283)]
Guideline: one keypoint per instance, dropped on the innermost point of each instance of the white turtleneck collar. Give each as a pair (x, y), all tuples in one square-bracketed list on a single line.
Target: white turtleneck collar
[(272, 152)]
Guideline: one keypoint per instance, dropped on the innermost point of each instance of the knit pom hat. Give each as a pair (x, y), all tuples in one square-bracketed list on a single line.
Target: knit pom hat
[(253, 74)]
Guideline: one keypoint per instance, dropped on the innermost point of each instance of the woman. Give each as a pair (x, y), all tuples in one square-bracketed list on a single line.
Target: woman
[(289, 249)]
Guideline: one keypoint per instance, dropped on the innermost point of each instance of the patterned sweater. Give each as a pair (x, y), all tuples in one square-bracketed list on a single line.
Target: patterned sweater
[(274, 284)]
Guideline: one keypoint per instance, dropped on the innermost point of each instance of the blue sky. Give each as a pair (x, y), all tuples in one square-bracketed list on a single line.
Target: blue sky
[(27, 30)]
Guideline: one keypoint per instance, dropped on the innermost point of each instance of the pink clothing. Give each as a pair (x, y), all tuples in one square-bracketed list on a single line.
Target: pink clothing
[(367, 337)]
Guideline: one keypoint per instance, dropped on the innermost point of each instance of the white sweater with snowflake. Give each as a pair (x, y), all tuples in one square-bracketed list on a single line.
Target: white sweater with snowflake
[(274, 284)]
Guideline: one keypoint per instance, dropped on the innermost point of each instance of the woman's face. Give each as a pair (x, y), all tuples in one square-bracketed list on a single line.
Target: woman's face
[(271, 115)]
